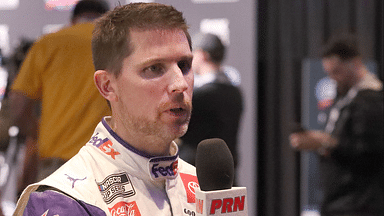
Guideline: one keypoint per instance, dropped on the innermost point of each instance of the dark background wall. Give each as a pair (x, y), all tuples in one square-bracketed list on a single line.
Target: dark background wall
[(288, 32), (29, 19)]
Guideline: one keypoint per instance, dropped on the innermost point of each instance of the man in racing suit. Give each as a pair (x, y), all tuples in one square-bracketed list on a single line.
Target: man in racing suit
[(110, 177), (130, 166)]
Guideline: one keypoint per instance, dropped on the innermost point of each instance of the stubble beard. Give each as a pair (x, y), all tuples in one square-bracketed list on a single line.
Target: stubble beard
[(156, 130)]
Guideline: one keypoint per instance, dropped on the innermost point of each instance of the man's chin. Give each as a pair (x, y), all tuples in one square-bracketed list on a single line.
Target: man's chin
[(180, 130)]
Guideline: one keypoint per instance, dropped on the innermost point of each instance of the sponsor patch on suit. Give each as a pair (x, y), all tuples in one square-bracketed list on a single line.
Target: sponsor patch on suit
[(116, 185)]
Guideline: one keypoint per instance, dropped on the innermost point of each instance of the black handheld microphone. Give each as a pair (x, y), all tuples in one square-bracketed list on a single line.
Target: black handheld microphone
[(214, 165), (215, 173)]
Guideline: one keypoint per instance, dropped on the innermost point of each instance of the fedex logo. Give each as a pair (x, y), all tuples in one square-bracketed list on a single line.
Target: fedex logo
[(227, 205), (105, 145), (170, 170), (125, 209)]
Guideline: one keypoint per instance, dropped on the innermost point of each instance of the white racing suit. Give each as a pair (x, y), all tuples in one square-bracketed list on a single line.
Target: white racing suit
[(110, 177)]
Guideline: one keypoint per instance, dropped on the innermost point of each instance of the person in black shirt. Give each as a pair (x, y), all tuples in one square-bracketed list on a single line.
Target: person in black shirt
[(217, 102), (351, 147)]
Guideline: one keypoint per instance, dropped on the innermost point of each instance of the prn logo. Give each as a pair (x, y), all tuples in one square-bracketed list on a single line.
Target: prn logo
[(227, 205), (105, 145)]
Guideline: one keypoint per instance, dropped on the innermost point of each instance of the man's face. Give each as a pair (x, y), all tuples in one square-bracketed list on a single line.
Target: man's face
[(154, 89), (338, 70)]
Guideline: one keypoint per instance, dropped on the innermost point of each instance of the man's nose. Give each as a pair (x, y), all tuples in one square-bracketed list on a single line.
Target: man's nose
[(178, 82)]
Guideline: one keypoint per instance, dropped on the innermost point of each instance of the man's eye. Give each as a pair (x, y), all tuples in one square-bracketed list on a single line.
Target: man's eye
[(185, 66), (153, 71)]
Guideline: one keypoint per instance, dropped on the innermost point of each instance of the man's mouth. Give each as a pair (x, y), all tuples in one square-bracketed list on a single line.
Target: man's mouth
[(178, 111)]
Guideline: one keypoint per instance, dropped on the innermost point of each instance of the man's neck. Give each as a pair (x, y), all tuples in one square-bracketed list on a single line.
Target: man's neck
[(148, 144)]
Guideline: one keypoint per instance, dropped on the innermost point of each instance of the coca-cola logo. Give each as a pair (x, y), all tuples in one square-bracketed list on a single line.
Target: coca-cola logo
[(125, 209)]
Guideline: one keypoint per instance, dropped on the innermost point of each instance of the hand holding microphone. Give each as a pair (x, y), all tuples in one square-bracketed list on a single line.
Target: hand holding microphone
[(215, 172)]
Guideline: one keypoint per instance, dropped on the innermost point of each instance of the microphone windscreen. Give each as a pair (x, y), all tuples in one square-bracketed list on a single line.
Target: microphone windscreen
[(214, 165)]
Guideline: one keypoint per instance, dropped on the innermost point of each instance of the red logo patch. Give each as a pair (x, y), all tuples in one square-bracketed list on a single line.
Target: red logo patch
[(190, 184), (125, 209), (106, 147)]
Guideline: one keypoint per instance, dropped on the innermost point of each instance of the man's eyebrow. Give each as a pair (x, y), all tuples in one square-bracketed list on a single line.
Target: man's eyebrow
[(188, 57)]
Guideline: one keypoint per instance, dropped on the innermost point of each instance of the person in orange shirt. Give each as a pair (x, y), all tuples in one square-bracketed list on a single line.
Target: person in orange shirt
[(58, 71)]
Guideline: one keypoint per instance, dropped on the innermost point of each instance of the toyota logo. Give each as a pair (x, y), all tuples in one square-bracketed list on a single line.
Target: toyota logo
[(192, 186)]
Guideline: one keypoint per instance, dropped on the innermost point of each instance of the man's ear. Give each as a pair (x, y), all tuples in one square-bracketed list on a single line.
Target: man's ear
[(105, 84)]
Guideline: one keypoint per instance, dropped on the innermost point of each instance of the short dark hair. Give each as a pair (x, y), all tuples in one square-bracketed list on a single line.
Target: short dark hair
[(211, 44), (345, 46), (111, 36), (90, 6)]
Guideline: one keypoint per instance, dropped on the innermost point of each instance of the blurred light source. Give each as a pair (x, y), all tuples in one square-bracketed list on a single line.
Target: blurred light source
[(60, 5), (4, 40), (219, 27), (9, 4)]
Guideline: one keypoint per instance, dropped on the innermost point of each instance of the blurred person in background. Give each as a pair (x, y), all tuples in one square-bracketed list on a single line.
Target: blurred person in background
[(8, 157), (58, 71), (12, 66), (351, 147), (217, 103)]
